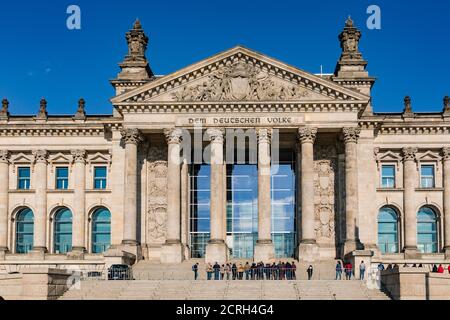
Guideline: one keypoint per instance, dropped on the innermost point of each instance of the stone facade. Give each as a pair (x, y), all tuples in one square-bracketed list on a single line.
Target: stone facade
[(340, 143)]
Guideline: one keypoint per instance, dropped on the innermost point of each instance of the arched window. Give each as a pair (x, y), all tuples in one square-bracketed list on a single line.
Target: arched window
[(101, 230), (388, 230), (24, 231), (427, 240), (63, 231)]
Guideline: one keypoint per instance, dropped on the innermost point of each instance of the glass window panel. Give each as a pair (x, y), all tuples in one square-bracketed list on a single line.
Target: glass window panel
[(101, 230), (24, 231)]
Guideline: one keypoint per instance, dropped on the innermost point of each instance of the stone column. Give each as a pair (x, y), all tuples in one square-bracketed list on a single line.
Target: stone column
[(409, 185), (308, 250), (351, 136), (216, 249), (264, 249), (131, 138), (4, 185), (446, 200), (40, 186), (79, 198), (172, 251)]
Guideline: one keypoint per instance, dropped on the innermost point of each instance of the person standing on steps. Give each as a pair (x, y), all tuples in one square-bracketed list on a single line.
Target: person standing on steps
[(294, 268), (338, 271), (222, 272), (241, 271), (216, 271), (234, 271), (247, 271), (228, 270), (195, 269), (362, 270), (310, 272), (209, 271)]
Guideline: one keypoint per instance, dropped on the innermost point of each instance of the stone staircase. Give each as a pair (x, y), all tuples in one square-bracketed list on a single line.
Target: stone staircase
[(223, 290)]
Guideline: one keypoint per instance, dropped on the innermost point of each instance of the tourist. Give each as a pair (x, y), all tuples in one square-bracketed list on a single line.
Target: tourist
[(234, 271), (440, 269), (216, 268), (310, 271), (389, 267), (448, 268), (338, 271), (435, 268), (228, 270), (261, 271), (222, 272), (247, 271), (209, 271), (195, 269), (268, 272), (274, 270), (282, 270), (362, 270), (294, 268), (241, 271), (348, 271), (380, 266), (288, 271)]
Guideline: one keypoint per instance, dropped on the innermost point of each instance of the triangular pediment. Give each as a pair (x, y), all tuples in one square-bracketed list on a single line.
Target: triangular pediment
[(429, 156), (239, 74)]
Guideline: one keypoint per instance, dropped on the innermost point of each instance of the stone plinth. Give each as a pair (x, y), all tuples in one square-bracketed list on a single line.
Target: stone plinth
[(172, 253), (216, 252)]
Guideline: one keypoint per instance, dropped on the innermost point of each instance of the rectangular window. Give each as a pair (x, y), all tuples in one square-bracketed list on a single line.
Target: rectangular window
[(388, 176), (427, 176), (62, 178), (23, 178), (100, 178)]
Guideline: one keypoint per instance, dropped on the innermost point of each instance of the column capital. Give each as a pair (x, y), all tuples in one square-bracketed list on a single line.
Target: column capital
[(351, 134), (215, 134), (131, 136), (4, 156), (79, 156), (307, 134), (40, 156), (409, 153), (173, 135), (264, 135), (446, 153)]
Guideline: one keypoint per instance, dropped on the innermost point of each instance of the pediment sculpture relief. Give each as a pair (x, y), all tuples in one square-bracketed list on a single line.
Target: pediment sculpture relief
[(240, 81)]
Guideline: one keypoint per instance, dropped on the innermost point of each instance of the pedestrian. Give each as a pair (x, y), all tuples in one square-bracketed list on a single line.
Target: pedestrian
[(448, 268), (241, 271), (435, 268), (310, 271), (282, 270), (234, 271), (294, 269), (362, 270), (338, 271), (441, 269), (267, 271), (195, 269), (274, 270), (222, 272), (228, 270), (216, 268), (209, 271), (348, 271), (380, 266), (247, 271)]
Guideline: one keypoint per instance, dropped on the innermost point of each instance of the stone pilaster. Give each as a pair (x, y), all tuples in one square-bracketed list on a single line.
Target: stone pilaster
[(172, 251), (4, 178), (351, 136), (216, 249), (446, 200), (409, 185), (79, 197), (40, 186), (308, 250), (131, 139), (264, 249)]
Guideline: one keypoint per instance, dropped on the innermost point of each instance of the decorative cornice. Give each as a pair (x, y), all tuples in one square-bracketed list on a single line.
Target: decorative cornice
[(79, 156), (52, 131), (40, 156), (4, 156), (215, 135), (351, 134), (173, 135), (307, 134), (264, 135), (409, 153), (131, 136)]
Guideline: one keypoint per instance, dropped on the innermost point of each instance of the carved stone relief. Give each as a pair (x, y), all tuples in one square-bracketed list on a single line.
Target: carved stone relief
[(157, 195)]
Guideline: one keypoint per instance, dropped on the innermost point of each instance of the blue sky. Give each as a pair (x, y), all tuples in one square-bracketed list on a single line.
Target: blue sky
[(40, 57)]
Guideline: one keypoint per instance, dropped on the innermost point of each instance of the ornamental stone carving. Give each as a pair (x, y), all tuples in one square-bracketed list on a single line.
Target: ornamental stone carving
[(4, 113), (42, 113), (173, 135), (446, 153), (409, 153), (307, 134), (4, 156), (351, 134), (264, 135), (157, 195), (349, 39), (132, 136), (40, 156), (79, 156), (215, 135), (239, 82)]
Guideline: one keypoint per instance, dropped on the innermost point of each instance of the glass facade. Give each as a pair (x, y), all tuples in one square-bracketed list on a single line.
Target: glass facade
[(23, 178), (199, 199), (427, 236), (63, 231), (100, 177), (24, 231), (62, 178), (388, 176), (388, 230), (427, 176), (101, 230), (283, 198)]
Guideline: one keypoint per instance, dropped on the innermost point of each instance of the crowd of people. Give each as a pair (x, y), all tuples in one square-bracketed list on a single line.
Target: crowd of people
[(434, 269)]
